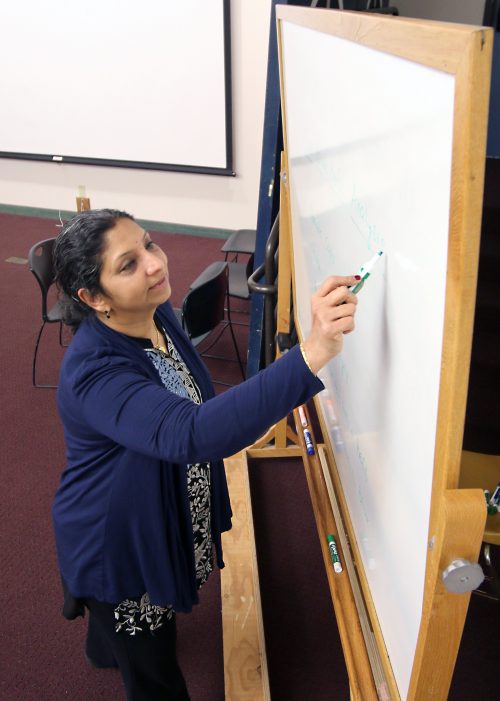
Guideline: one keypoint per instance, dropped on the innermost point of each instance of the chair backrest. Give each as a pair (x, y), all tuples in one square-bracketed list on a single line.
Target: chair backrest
[(238, 278), (203, 306), (249, 268), (41, 265)]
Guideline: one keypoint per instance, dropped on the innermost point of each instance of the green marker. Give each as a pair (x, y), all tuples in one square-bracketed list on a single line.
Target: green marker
[(332, 546), (365, 271)]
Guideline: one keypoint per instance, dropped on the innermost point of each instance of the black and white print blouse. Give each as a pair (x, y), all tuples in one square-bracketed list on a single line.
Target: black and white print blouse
[(138, 614)]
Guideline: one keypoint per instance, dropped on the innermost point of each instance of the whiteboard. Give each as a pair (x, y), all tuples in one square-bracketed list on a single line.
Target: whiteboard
[(117, 82), (369, 145)]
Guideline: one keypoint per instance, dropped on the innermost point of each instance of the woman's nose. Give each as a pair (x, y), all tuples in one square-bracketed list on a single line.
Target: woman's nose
[(153, 264)]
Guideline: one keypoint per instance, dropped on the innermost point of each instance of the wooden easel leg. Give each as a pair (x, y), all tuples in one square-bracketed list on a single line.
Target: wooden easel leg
[(458, 534), (280, 441)]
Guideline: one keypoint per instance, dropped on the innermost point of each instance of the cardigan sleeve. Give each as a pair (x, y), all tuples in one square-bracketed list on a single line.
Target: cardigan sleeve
[(116, 400)]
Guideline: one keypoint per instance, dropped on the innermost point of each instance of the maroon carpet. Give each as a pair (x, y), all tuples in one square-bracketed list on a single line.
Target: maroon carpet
[(302, 640)]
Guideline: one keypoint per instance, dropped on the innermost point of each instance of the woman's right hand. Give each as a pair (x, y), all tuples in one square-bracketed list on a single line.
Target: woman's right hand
[(333, 307)]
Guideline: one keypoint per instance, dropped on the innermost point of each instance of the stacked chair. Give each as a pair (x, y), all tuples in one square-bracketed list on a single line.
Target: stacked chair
[(40, 264)]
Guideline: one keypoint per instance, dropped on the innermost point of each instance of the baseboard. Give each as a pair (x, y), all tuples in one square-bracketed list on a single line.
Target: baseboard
[(151, 225)]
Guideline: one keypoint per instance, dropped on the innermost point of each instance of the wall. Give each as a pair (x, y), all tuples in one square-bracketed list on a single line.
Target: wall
[(465, 11), (182, 198)]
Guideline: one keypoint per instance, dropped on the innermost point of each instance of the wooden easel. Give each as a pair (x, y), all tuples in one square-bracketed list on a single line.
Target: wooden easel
[(368, 667), (457, 516)]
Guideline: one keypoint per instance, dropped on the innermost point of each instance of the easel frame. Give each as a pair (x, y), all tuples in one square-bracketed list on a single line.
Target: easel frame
[(457, 516)]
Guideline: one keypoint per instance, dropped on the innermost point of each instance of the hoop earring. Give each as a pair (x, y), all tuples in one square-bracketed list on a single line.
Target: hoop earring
[(108, 315)]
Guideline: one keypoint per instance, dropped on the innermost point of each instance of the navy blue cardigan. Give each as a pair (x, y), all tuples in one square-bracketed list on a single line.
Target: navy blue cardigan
[(121, 514)]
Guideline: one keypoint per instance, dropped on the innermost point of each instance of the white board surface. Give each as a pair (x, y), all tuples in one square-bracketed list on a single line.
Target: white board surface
[(116, 80), (369, 144)]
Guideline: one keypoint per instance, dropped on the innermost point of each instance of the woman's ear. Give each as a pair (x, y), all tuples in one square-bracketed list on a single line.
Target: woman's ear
[(95, 302)]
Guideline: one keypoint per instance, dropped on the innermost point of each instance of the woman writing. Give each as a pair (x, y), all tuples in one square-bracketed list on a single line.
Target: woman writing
[(143, 498)]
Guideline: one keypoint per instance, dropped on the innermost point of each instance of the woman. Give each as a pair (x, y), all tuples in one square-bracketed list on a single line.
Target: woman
[(143, 498)]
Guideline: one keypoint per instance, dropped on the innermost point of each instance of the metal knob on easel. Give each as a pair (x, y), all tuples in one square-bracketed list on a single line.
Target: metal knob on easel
[(462, 576)]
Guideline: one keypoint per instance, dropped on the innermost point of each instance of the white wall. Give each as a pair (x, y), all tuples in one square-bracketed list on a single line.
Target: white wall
[(181, 198), (464, 11)]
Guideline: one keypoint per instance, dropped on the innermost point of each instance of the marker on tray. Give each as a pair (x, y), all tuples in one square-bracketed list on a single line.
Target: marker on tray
[(309, 443), (334, 554), (365, 271), (495, 497), (303, 418)]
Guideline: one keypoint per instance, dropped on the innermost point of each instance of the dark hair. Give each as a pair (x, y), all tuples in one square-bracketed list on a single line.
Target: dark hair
[(77, 259)]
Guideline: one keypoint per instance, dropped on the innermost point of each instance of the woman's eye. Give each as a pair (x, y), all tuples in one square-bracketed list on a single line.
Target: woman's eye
[(150, 244), (127, 266)]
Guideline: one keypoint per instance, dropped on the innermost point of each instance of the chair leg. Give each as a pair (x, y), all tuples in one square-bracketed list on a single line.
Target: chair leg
[(234, 341), (205, 354), (34, 361), (214, 341), (225, 324), (240, 323), (237, 311), (237, 352), (63, 345)]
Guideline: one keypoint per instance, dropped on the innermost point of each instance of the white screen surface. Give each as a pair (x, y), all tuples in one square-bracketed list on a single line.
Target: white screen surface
[(117, 80)]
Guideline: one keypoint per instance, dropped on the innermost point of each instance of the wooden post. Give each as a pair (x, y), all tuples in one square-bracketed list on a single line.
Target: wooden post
[(281, 441)]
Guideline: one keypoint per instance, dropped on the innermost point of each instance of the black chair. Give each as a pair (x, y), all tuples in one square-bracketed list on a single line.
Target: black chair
[(41, 265), (238, 284), (241, 241), (204, 309), (238, 281)]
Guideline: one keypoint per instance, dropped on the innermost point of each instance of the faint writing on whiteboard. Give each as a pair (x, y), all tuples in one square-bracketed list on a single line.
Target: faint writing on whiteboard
[(340, 381), (331, 173), (326, 250), (363, 486), (369, 231)]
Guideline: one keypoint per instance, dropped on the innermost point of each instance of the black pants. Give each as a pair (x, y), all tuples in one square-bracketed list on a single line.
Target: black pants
[(147, 660)]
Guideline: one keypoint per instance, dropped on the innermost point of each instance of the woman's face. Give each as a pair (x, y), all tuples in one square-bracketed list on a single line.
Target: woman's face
[(134, 273)]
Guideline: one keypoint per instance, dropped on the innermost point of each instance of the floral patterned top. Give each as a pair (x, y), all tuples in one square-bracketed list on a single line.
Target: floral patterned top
[(137, 614)]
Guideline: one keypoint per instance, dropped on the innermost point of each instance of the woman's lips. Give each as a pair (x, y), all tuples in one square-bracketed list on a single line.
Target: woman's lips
[(160, 283)]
